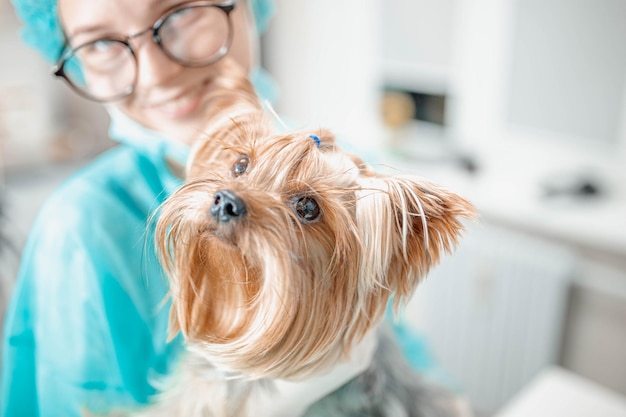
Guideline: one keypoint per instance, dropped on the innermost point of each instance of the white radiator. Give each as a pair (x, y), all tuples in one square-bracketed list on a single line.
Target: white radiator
[(492, 313)]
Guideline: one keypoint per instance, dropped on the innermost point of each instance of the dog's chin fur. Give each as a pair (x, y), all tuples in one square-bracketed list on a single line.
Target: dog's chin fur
[(270, 295)]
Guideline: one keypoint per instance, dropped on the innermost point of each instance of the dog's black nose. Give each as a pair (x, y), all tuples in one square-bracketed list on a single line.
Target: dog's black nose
[(227, 206)]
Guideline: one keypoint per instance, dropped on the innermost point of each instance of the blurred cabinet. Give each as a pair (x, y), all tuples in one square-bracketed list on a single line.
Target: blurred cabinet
[(510, 304), (41, 121), (27, 121), (417, 44), (493, 312)]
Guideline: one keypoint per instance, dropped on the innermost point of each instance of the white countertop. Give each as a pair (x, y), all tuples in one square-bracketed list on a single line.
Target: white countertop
[(510, 189), (557, 392)]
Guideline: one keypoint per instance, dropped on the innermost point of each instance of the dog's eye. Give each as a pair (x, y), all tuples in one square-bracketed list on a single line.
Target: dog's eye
[(307, 209), (241, 165)]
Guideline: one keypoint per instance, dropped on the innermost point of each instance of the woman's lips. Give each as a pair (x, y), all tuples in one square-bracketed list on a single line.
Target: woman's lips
[(180, 107), (183, 105)]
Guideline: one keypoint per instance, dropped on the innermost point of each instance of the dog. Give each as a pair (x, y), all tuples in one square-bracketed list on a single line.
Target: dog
[(283, 252)]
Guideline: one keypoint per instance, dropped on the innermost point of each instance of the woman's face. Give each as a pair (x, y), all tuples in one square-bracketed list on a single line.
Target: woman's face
[(168, 97)]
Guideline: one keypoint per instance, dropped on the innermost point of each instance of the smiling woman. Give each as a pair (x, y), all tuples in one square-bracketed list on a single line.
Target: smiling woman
[(106, 69), (87, 327), (157, 82)]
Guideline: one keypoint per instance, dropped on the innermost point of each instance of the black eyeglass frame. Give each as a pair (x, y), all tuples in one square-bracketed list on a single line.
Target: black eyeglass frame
[(225, 6)]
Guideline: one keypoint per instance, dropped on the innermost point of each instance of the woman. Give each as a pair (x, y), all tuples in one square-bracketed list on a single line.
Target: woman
[(87, 326)]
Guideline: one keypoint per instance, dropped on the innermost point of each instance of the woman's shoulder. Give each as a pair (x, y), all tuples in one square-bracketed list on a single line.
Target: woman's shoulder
[(118, 184), (94, 226), (105, 207), (114, 169)]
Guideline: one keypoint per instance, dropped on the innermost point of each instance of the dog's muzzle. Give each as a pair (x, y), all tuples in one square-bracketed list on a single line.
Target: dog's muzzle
[(227, 206)]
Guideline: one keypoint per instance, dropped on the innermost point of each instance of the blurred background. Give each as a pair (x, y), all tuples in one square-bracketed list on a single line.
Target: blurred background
[(518, 105)]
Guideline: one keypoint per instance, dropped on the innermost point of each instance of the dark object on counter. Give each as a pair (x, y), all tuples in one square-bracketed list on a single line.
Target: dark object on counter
[(581, 187)]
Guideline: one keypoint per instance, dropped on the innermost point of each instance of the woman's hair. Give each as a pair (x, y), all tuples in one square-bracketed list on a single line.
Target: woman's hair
[(42, 29)]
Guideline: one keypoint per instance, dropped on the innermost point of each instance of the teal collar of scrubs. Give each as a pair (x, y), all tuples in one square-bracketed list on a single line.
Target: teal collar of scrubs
[(168, 155), (128, 132)]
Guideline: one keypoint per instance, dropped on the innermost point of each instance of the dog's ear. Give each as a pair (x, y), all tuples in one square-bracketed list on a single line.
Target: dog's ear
[(407, 224)]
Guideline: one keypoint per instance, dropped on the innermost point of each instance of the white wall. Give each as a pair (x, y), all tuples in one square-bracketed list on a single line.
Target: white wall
[(325, 56)]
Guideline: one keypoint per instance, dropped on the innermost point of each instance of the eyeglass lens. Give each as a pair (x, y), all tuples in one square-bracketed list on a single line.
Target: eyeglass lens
[(106, 69)]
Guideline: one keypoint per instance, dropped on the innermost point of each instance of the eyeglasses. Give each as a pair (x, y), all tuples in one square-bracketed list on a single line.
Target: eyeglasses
[(193, 34)]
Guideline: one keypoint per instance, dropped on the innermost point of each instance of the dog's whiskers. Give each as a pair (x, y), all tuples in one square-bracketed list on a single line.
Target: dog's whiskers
[(268, 105)]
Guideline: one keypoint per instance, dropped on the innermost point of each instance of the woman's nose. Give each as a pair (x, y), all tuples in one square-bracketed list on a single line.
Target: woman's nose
[(153, 66)]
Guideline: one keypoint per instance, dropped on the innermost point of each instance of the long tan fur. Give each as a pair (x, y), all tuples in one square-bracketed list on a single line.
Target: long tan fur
[(269, 295)]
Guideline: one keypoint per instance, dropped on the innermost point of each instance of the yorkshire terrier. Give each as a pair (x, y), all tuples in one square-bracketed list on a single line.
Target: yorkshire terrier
[(283, 252)]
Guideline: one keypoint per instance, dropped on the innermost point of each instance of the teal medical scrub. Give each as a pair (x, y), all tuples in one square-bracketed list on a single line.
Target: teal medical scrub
[(87, 326)]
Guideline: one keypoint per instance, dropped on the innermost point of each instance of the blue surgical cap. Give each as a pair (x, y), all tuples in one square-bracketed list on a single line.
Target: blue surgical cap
[(42, 30)]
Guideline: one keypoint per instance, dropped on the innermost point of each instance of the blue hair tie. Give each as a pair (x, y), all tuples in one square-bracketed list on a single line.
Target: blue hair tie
[(316, 139)]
